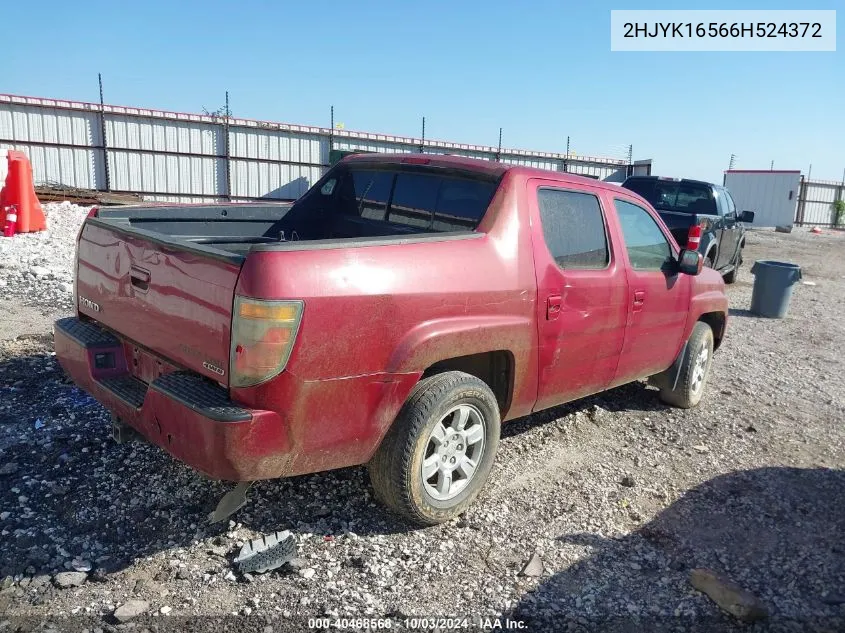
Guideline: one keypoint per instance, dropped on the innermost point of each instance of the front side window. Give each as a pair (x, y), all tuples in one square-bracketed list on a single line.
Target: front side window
[(721, 201), (647, 247), (731, 206), (573, 227)]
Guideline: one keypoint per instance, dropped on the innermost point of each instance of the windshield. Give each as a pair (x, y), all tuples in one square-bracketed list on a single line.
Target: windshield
[(671, 195)]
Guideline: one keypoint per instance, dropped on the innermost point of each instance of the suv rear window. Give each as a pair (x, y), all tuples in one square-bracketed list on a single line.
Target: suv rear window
[(426, 201), (675, 196)]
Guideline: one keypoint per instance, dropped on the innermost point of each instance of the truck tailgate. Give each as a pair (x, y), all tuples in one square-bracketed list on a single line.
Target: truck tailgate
[(679, 224), (176, 302)]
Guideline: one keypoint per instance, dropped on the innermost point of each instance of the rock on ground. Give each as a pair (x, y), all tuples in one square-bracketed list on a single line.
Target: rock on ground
[(67, 579), (130, 610), (740, 603)]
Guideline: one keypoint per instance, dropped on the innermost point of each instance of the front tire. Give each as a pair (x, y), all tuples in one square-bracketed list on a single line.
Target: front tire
[(438, 454), (695, 370)]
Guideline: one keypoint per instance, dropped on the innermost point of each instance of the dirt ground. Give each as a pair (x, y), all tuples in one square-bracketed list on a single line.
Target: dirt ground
[(618, 496)]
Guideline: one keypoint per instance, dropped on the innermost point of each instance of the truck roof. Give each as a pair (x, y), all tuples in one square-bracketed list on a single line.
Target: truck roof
[(487, 167)]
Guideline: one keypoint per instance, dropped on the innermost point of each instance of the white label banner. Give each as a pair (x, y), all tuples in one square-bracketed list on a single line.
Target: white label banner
[(723, 30)]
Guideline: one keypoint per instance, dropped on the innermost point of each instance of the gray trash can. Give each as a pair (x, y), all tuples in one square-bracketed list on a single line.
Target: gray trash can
[(773, 283)]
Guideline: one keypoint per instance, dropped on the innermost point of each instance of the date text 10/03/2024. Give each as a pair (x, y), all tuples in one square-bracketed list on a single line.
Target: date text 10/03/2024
[(424, 624)]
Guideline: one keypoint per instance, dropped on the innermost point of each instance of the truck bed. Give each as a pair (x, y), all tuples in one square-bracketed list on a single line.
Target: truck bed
[(217, 225), (230, 231)]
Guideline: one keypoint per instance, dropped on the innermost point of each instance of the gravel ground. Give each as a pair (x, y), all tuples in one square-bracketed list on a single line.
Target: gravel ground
[(617, 496), (37, 268)]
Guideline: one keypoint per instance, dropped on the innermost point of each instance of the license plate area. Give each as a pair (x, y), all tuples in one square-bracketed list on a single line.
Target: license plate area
[(144, 365)]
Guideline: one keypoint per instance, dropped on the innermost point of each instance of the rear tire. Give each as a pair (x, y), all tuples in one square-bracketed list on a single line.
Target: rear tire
[(695, 370), (438, 454), (731, 276)]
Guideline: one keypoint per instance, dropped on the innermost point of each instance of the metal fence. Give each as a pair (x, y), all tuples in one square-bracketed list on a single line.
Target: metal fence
[(169, 156), (815, 202)]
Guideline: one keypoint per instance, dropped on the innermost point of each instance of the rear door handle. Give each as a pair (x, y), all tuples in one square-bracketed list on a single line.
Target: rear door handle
[(553, 304), (639, 300), (139, 278)]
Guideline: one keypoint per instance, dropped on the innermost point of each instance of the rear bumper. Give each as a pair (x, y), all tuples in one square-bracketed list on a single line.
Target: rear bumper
[(186, 415)]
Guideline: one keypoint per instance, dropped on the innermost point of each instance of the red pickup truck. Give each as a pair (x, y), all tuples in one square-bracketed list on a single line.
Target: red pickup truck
[(393, 316)]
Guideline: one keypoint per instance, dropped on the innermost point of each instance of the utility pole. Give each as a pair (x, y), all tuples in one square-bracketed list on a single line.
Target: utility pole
[(422, 143), (103, 134), (228, 151), (772, 166), (566, 160), (499, 151), (331, 132)]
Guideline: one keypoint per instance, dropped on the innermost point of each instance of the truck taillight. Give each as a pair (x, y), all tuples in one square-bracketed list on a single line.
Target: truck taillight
[(694, 237), (263, 334)]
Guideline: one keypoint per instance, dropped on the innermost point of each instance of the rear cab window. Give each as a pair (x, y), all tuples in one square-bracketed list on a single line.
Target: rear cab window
[(676, 196), (371, 193), (416, 200)]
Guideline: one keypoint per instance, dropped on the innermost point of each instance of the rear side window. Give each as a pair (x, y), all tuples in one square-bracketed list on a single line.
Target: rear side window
[(647, 247), (573, 228)]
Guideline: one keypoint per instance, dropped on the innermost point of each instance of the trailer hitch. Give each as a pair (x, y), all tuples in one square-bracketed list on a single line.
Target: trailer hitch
[(122, 433)]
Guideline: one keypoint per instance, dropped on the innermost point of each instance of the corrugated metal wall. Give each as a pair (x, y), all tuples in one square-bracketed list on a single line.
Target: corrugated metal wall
[(169, 156), (771, 195), (57, 142), (815, 204)]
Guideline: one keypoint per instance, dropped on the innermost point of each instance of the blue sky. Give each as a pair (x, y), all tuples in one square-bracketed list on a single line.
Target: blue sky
[(540, 70)]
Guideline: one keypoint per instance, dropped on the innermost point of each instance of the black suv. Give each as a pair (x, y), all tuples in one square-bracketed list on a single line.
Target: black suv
[(700, 215)]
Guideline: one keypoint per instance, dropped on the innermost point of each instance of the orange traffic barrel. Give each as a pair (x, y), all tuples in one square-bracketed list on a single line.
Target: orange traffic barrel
[(19, 191)]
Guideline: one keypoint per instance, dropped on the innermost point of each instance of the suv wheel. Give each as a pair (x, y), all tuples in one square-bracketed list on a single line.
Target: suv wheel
[(438, 454), (695, 369)]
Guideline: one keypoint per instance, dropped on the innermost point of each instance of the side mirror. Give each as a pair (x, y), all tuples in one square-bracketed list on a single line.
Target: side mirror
[(746, 216), (690, 262)]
